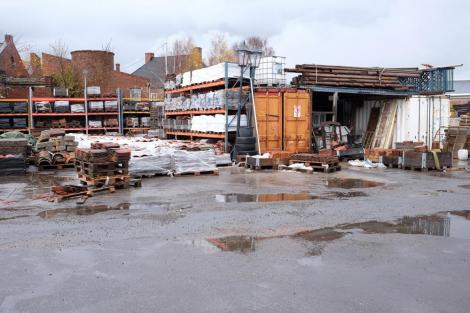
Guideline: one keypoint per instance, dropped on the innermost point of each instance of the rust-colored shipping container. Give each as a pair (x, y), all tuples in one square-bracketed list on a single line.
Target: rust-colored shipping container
[(297, 119), (283, 119), (269, 117)]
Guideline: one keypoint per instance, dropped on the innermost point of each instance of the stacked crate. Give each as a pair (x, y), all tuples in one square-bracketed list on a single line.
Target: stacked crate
[(104, 164)]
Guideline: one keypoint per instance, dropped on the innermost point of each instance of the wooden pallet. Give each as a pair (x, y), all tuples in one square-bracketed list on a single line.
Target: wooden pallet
[(43, 167), (198, 173), (116, 180)]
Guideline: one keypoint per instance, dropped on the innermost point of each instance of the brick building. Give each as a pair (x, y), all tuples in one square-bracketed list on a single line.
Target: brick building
[(11, 64), (99, 68)]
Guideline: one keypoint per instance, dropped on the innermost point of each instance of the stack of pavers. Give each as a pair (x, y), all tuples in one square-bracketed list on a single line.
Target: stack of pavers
[(12, 156), (324, 163), (55, 149), (105, 164)]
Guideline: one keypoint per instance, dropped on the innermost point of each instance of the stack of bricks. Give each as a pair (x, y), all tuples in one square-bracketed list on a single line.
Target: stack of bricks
[(55, 148), (104, 164)]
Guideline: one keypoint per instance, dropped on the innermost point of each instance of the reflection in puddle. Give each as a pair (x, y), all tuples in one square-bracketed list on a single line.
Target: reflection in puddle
[(269, 197), (349, 183), (465, 186), (275, 197), (83, 210), (13, 217), (235, 243), (453, 224), (324, 234)]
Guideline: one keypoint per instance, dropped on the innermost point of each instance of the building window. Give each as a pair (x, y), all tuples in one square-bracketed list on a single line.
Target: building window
[(135, 93)]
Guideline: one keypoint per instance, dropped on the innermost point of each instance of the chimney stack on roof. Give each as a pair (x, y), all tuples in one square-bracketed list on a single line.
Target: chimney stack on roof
[(118, 67), (8, 38), (148, 57)]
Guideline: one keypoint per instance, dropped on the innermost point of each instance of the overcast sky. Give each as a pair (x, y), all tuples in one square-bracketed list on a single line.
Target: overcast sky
[(401, 33)]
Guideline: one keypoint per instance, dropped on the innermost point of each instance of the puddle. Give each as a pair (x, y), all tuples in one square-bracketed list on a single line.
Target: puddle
[(83, 210), (268, 197), (454, 224), (465, 186), (276, 197), (350, 183)]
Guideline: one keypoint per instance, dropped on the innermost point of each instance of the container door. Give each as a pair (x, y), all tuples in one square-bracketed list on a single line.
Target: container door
[(297, 112), (269, 118)]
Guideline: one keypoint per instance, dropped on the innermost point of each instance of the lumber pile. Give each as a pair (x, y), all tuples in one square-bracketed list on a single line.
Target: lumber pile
[(55, 149), (346, 76), (314, 158), (104, 164), (12, 156)]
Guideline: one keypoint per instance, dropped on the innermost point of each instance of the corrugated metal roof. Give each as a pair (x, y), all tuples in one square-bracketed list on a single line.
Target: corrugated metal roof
[(364, 91)]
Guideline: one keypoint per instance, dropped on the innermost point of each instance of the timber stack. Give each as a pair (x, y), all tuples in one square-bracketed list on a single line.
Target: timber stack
[(55, 149), (345, 76), (326, 163), (105, 164)]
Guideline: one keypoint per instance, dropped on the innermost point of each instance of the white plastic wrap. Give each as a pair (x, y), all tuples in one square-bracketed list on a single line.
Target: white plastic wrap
[(77, 108), (216, 123), (212, 73), (193, 161)]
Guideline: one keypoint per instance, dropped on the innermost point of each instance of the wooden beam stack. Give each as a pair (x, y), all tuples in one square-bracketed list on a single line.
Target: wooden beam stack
[(345, 76)]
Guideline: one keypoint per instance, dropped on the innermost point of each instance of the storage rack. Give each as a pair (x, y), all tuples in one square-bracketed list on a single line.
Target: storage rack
[(227, 84), (33, 116), (83, 117), (129, 112), (12, 114)]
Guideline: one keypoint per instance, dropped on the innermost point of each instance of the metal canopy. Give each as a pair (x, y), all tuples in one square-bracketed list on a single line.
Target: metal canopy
[(363, 91)]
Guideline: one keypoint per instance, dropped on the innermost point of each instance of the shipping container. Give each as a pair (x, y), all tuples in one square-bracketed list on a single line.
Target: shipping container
[(297, 112), (269, 117), (283, 119)]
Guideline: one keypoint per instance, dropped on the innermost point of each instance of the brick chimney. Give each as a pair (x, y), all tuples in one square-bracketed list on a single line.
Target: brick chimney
[(148, 57), (196, 58), (8, 38), (118, 67)]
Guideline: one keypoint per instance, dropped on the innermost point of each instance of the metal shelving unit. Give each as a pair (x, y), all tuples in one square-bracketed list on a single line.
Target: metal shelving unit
[(227, 84)]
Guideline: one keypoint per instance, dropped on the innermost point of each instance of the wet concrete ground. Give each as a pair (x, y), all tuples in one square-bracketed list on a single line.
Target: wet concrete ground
[(359, 240)]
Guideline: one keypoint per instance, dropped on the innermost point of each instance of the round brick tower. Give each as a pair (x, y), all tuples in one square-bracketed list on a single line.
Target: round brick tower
[(99, 66)]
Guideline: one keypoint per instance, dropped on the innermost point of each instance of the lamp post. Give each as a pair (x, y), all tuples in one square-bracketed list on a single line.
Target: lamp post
[(246, 58)]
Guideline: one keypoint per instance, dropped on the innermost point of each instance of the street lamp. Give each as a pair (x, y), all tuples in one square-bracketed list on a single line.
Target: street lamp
[(247, 58)]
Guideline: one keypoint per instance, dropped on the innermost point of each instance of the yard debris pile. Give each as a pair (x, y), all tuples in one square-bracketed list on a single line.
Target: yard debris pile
[(346, 76), (55, 149), (104, 164), (12, 156)]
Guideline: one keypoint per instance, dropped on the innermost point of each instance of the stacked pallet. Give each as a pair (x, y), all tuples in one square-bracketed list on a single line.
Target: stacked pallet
[(325, 163), (345, 76), (12, 156), (104, 164), (55, 149)]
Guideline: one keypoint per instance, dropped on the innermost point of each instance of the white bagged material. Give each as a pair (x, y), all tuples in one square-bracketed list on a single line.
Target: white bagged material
[(212, 73), (96, 105), (193, 161), (77, 108)]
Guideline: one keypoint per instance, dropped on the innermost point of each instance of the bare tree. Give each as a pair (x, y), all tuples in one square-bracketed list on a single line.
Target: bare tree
[(220, 51), (181, 51), (65, 75), (256, 42)]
